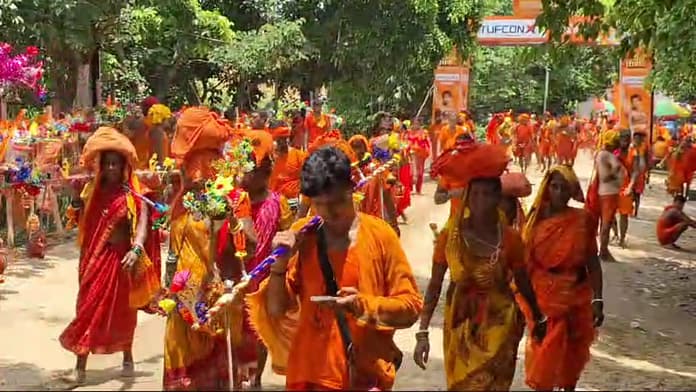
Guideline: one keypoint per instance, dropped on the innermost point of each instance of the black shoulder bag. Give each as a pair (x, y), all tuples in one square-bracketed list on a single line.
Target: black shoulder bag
[(331, 290)]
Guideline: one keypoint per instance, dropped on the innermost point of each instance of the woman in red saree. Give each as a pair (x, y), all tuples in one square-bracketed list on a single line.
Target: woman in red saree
[(119, 255), (419, 147), (566, 277)]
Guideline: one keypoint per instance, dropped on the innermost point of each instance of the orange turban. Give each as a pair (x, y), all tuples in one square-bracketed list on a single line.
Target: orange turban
[(565, 121), (523, 117), (107, 139), (331, 139), (198, 129), (515, 185), (280, 132), (359, 139), (461, 165), (262, 142)]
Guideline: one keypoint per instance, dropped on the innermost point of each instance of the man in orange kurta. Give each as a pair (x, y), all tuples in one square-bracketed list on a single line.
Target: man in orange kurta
[(682, 165), (141, 135), (448, 134), (523, 135), (287, 166), (316, 122), (296, 315)]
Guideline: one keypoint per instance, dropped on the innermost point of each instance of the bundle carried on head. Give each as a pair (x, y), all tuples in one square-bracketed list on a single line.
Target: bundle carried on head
[(460, 165), (198, 129), (515, 185), (107, 139)]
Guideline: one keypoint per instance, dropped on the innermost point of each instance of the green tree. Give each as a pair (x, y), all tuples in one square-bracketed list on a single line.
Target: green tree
[(70, 32), (664, 28)]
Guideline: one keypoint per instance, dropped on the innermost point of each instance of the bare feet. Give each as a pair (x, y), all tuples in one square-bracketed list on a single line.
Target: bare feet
[(675, 247), (128, 370), (74, 377), (607, 258), (622, 244)]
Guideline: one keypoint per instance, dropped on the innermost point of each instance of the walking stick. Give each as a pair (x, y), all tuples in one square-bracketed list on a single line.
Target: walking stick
[(231, 373)]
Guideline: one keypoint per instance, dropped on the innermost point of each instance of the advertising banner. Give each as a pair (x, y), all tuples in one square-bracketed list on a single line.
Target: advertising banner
[(634, 110), (510, 30), (451, 93)]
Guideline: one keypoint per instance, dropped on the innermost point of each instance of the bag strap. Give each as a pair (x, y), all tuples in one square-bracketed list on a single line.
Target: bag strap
[(331, 290)]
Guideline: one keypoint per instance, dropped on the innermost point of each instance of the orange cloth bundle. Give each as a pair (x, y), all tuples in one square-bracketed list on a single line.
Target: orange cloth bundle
[(262, 142), (198, 129), (460, 165), (107, 139), (280, 132), (515, 185), (333, 139)]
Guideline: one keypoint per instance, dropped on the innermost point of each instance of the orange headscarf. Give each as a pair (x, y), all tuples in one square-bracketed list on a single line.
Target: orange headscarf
[(107, 139), (198, 129), (459, 166)]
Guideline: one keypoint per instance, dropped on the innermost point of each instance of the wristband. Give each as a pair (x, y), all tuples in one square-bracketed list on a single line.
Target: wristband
[(600, 300)]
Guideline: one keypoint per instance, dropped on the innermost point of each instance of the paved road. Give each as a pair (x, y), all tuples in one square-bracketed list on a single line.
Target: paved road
[(648, 341)]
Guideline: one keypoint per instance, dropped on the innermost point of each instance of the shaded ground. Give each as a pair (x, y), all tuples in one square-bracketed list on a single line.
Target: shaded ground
[(648, 341)]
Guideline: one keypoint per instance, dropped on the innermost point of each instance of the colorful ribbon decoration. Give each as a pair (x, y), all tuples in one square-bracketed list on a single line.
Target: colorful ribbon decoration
[(395, 160), (232, 296)]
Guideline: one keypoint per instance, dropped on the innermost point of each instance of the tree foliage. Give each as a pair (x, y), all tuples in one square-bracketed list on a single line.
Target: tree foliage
[(514, 77), (664, 28)]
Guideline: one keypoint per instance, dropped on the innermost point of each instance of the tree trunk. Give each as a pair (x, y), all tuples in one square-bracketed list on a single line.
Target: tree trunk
[(3, 109), (83, 92)]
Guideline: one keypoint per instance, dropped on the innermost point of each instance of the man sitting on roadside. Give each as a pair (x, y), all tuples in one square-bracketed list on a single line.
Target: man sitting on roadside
[(673, 223)]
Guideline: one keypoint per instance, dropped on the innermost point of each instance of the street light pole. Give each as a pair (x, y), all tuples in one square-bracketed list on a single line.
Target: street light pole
[(546, 88)]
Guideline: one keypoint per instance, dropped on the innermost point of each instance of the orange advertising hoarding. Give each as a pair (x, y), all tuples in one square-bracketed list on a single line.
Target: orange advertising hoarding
[(451, 93), (527, 8), (634, 105)]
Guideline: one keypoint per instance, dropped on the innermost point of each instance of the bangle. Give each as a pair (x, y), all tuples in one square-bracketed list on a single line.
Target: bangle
[(237, 228), (137, 249), (543, 320), (422, 334), (600, 300)]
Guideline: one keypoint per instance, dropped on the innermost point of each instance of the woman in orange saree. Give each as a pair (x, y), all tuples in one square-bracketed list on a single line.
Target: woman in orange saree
[(119, 255), (566, 277)]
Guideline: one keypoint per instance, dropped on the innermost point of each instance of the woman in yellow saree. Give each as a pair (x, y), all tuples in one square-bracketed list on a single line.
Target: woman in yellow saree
[(483, 324), (195, 359)]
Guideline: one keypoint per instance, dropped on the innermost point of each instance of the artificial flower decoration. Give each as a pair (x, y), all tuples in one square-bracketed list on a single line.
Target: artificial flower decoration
[(158, 114), (167, 305), (179, 281)]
